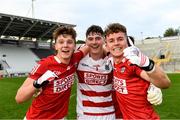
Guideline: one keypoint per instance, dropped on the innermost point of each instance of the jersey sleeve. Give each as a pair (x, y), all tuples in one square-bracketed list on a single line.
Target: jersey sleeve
[(78, 55), (38, 70), (137, 70)]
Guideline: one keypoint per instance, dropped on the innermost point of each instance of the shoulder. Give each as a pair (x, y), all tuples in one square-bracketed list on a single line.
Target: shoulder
[(85, 58), (78, 53), (46, 61), (46, 58)]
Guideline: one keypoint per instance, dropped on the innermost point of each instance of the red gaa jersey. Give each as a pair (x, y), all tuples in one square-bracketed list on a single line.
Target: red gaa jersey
[(131, 92), (53, 102)]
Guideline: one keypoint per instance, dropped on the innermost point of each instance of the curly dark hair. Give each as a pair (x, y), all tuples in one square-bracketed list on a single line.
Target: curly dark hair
[(115, 28), (94, 29), (64, 30)]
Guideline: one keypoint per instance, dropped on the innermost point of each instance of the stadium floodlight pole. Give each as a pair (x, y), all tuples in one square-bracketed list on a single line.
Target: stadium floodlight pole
[(179, 32), (142, 37), (33, 8)]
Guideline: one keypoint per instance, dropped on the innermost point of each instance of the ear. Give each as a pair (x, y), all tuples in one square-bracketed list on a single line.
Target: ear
[(105, 45), (54, 46), (74, 47), (85, 40)]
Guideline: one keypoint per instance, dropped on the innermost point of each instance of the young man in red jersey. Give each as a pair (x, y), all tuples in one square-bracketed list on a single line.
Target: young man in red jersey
[(54, 75), (133, 73)]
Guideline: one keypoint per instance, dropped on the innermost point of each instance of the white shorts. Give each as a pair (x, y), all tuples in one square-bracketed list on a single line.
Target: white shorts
[(91, 117)]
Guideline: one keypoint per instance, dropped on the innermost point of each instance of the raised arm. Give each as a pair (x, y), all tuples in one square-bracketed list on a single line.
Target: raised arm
[(159, 78), (156, 74)]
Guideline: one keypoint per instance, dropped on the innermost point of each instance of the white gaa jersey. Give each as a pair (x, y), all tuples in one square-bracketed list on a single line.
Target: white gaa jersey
[(94, 87)]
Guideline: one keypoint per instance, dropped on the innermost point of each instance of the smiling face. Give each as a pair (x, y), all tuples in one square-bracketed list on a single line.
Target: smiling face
[(64, 46), (95, 43), (116, 43)]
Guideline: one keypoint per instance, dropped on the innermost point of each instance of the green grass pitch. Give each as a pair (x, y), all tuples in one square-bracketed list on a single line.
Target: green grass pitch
[(169, 109)]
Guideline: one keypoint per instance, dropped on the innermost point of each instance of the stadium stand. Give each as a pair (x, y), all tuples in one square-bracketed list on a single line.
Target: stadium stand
[(19, 59), (23, 42), (164, 51), (42, 53), (11, 25)]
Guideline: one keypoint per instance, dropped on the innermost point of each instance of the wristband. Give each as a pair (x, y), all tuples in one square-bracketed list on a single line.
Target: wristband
[(150, 67), (36, 85)]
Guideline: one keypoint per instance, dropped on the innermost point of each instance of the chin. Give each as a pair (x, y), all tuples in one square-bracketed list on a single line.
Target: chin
[(93, 51), (66, 58), (117, 55)]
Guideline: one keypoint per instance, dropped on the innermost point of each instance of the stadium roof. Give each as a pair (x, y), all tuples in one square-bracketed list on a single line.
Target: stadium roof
[(11, 25)]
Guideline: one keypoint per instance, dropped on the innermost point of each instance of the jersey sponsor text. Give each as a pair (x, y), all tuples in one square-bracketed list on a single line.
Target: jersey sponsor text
[(63, 84), (95, 79), (120, 85)]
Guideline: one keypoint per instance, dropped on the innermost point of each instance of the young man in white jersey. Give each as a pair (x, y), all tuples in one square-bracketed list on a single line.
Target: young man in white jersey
[(54, 76), (94, 89)]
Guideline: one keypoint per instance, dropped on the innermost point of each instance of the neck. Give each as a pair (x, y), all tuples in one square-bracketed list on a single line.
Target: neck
[(96, 56), (117, 60), (64, 61)]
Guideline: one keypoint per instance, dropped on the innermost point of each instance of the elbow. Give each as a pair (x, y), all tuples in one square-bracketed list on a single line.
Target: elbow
[(167, 84), (18, 100)]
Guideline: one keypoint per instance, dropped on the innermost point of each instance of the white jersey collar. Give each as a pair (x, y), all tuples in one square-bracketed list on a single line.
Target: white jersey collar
[(57, 59)]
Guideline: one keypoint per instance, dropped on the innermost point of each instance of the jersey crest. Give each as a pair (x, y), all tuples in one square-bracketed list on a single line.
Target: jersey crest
[(122, 69)]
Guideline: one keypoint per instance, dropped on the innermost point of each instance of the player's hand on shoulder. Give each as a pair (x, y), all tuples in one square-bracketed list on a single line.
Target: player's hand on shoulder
[(84, 48)]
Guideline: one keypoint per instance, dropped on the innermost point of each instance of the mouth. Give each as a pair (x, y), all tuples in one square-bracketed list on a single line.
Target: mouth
[(117, 49), (95, 46), (65, 51)]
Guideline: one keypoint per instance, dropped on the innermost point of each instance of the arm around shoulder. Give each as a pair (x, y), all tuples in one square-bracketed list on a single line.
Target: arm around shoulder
[(84, 49)]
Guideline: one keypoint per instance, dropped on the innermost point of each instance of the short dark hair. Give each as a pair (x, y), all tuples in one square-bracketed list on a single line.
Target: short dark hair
[(94, 29), (115, 28), (64, 30)]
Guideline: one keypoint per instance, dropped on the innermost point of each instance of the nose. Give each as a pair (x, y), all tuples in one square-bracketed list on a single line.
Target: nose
[(116, 42), (94, 41), (65, 44)]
